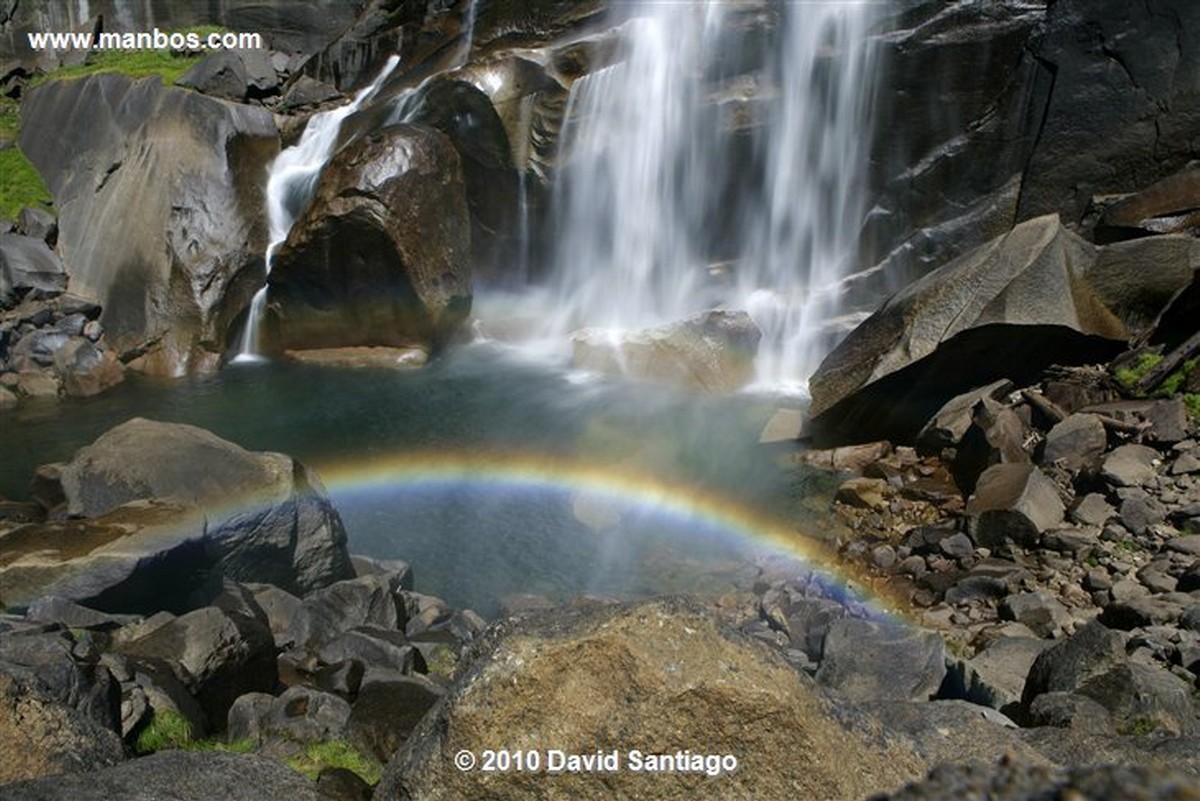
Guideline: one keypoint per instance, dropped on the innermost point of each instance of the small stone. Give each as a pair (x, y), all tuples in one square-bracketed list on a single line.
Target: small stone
[(1127, 590), (1130, 466), (864, 493), (1155, 580), (1186, 464), (883, 556), (957, 546), (1097, 579), (1093, 510), (93, 330)]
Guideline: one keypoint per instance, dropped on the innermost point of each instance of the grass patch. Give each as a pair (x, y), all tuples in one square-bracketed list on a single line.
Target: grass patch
[(1192, 401), (336, 754), (10, 118), (1139, 727), (166, 730), (1135, 372), (168, 65)]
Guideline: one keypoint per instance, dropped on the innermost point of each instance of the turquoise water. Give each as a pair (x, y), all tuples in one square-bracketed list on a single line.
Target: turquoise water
[(469, 541)]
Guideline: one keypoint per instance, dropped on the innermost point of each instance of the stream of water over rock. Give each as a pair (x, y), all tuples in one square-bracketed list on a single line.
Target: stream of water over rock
[(591, 485)]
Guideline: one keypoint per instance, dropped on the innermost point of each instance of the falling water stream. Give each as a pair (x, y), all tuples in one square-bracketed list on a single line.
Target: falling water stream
[(657, 217), (665, 206)]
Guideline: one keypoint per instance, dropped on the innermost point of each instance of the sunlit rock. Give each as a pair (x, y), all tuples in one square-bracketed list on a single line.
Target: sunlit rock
[(160, 198), (381, 255), (713, 351)]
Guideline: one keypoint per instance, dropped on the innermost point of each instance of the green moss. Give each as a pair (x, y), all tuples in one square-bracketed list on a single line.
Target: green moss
[(335, 754), (166, 730), (1175, 381), (1139, 727), (243, 746), (442, 661), (20, 184), (1192, 401), (1130, 374)]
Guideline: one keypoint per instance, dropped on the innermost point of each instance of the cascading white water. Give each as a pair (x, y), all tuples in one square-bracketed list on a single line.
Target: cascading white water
[(290, 185), (649, 229)]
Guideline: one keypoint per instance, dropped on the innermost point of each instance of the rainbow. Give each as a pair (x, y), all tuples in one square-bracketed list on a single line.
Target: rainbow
[(623, 486)]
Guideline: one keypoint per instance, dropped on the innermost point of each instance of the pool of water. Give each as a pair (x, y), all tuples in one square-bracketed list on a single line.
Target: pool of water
[(493, 474)]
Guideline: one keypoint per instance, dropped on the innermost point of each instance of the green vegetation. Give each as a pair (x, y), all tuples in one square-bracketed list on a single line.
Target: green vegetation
[(1135, 372), (169, 730), (1139, 727), (168, 65), (20, 184), (336, 754), (441, 662), (1192, 401), (166, 730)]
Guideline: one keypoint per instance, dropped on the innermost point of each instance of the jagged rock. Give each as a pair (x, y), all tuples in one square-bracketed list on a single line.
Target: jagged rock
[(867, 661), (852, 458), (1020, 780), (947, 428), (233, 74), (178, 775), (219, 656), (50, 609), (996, 675), (1164, 420), (808, 621), (866, 493), (28, 267), (254, 517), (40, 736), (1139, 513), (372, 646), (166, 693), (1130, 466), (392, 206), (712, 351), (300, 714), (1070, 711), (996, 436), (1024, 295), (1013, 501), (677, 664), (65, 670), (1130, 613), (1044, 615), (1093, 510), (389, 706), (1077, 442), (952, 730), (86, 369), (194, 167), (39, 224)]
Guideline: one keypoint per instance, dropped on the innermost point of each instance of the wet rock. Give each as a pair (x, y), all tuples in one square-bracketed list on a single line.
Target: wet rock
[(220, 656), (864, 661), (187, 263), (392, 205), (1078, 443), (1013, 501), (180, 775), (86, 369), (679, 661), (712, 351), (282, 530), (1130, 466)]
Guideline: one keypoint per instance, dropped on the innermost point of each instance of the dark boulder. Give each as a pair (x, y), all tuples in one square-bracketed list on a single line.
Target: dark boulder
[(233, 75), (178, 775), (218, 657), (1006, 310), (1013, 501), (27, 267), (179, 270), (170, 510), (381, 256), (389, 706), (300, 714), (867, 661)]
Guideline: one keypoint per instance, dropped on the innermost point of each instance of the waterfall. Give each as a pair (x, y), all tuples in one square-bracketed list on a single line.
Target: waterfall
[(291, 181), (669, 203)]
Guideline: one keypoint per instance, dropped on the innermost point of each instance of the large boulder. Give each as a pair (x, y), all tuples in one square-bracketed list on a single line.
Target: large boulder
[(178, 775), (868, 661), (1006, 310), (655, 678), (28, 266), (194, 168), (381, 255), (168, 511), (712, 351)]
